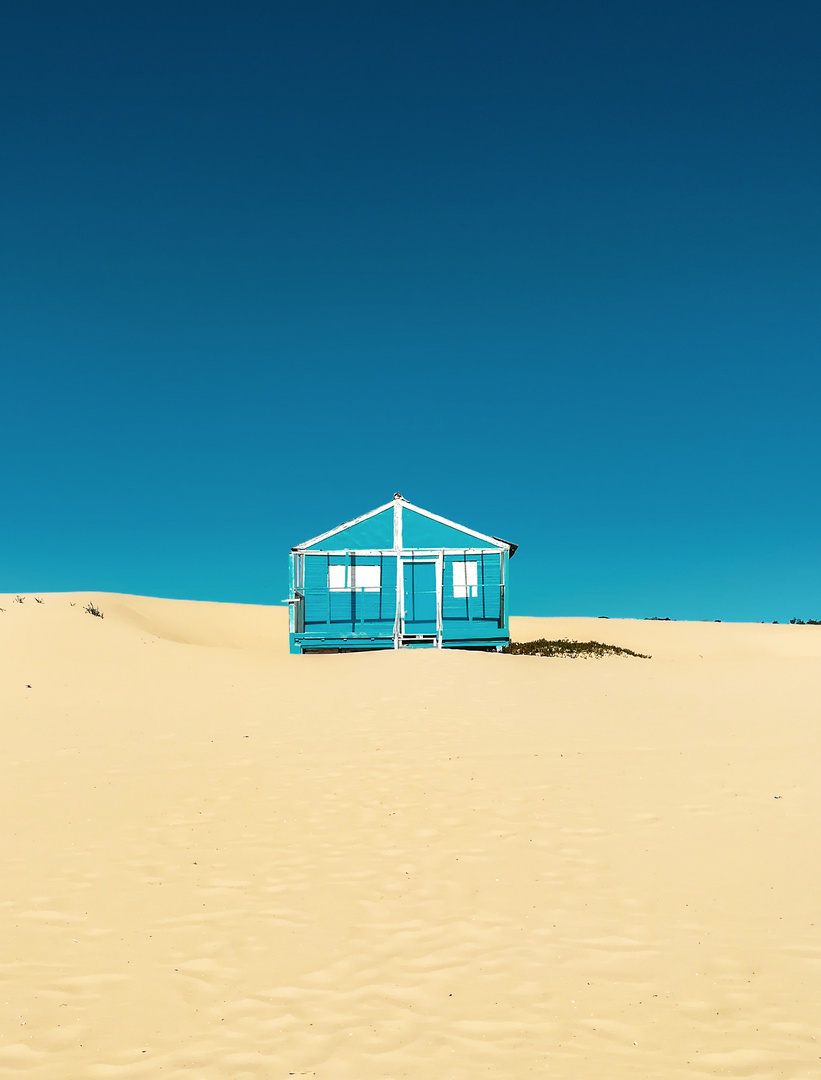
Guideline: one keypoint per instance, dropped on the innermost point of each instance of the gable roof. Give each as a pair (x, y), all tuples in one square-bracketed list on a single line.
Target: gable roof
[(400, 503)]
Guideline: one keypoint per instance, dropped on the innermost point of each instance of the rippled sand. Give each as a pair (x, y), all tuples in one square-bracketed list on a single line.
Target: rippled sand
[(223, 862)]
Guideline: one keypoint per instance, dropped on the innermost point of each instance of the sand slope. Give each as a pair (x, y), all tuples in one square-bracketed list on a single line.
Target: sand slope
[(220, 861)]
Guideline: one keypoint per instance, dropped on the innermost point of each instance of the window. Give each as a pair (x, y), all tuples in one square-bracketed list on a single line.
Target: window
[(465, 577), (356, 578)]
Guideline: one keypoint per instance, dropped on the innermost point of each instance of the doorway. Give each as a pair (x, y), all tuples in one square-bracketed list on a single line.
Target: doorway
[(420, 600)]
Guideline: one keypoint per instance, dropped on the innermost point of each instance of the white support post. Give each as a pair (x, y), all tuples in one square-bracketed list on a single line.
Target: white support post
[(397, 522), (292, 594), (440, 595), (400, 602), (397, 547), (502, 612)]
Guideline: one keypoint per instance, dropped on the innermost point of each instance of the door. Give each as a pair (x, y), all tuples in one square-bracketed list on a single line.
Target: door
[(420, 598)]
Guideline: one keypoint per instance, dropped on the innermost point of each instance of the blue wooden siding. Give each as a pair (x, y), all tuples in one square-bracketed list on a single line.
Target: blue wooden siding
[(423, 532), (485, 605), (373, 533), (351, 610)]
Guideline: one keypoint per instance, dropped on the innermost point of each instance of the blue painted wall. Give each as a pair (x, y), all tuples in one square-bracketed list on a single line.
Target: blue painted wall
[(348, 611), (375, 532), (483, 606), (423, 532)]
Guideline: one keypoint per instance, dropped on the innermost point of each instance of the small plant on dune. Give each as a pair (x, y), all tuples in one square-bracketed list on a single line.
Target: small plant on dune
[(92, 610), (572, 649), (19, 599), (38, 599)]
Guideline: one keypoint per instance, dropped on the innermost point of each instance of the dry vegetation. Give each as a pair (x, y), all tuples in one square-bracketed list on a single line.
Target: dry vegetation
[(571, 649)]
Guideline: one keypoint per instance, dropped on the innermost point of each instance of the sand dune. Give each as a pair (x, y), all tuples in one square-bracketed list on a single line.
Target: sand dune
[(224, 862)]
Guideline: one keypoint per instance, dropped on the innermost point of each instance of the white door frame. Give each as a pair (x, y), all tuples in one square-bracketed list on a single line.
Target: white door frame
[(438, 560)]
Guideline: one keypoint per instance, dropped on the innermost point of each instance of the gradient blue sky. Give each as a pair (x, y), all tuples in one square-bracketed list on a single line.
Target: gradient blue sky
[(548, 269)]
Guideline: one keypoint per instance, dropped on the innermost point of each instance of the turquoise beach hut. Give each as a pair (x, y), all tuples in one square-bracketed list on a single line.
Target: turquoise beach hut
[(399, 577)]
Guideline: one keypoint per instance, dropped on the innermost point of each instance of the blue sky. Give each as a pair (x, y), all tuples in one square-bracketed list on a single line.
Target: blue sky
[(548, 269)]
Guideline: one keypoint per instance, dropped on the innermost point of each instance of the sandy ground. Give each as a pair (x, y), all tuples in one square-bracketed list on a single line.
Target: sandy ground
[(220, 861)]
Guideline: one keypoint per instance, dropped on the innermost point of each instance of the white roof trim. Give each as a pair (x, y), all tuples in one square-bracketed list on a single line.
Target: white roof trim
[(494, 541), (343, 526), (404, 553), (400, 502)]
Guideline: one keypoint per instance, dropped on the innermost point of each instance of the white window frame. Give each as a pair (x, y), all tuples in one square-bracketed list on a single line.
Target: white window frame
[(465, 577), (356, 577)]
